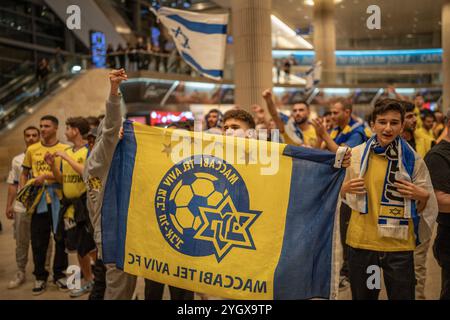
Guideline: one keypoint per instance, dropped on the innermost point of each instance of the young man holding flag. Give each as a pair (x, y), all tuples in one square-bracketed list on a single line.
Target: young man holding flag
[(119, 285), (391, 213)]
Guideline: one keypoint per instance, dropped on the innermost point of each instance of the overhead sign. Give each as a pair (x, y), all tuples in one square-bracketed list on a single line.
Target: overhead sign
[(369, 57)]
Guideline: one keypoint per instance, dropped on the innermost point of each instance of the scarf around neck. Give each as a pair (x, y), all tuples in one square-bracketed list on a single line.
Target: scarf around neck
[(394, 210)]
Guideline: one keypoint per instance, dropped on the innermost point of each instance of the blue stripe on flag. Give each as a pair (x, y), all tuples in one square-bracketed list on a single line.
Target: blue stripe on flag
[(305, 264), (115, 209), (201, 27), (212, 73), (315, 155), (110, 211)]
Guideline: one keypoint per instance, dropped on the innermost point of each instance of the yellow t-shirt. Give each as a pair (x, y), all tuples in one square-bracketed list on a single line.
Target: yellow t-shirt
[(419, 119), (362, 230), (424, 133), (73, 184), (34, 159), (309, 137), (423, 144)]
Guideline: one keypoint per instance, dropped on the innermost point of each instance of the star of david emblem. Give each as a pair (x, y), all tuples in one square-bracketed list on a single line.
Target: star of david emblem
[(185, 41), (226, 227), (394, 211)]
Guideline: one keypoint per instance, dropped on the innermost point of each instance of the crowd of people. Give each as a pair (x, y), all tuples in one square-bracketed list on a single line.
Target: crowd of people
[(397, 178), (146, 56)]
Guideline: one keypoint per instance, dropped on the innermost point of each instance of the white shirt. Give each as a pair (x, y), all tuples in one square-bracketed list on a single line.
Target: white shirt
[(14, 176)]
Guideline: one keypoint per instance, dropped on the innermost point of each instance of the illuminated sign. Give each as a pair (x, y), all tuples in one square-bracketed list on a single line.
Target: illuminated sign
[(98, 49), (368, 57)]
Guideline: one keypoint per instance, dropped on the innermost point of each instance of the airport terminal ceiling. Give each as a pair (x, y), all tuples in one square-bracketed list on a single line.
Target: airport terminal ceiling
[(404, 23)]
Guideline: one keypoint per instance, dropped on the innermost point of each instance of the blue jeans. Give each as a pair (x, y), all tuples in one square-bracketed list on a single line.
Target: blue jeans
[(398, 272)]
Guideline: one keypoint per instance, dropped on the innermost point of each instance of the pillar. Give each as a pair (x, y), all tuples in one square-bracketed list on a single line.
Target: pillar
[(325, 39), (252, 43)]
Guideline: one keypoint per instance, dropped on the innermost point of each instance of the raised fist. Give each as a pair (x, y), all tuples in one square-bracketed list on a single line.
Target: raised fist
[(116, 77)]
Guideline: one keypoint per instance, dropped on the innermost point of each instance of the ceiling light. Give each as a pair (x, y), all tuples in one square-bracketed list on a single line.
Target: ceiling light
[(289, 34), (311, 2)]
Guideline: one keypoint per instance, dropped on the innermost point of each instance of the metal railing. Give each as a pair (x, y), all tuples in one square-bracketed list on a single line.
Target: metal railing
[(20, 95)]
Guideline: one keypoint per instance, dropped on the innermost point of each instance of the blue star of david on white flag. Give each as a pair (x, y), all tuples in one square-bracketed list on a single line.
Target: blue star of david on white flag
[(200, 38)]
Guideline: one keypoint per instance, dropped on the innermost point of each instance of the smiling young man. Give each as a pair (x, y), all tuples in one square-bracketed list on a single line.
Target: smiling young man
[(389, 190)]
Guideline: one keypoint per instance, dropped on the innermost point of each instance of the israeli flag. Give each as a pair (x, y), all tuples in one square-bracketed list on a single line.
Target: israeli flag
[(200, 38)]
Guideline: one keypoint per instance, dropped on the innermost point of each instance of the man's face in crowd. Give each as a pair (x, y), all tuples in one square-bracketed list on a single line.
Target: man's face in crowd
[(339, 115), (212, 119), (48, 129), (410, 121), (428, 123), (31, 136), (419, 101), (236, 128), (300, 113), (387, 127), (71, 133)]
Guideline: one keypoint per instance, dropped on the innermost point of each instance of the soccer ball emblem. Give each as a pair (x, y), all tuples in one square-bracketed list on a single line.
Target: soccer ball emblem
[(187, 196)]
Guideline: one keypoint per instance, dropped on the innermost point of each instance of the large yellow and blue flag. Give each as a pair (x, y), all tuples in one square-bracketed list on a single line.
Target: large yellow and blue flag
[(230, 217)]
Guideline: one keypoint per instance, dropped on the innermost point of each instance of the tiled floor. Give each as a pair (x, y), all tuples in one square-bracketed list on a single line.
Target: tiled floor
[(8, 269)]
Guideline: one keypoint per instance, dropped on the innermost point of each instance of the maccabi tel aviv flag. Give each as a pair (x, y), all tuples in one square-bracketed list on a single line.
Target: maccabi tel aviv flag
[(200, 38), (213, 221)]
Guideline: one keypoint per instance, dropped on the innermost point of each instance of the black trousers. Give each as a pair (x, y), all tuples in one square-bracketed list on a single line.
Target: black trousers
[(441, 250), (154, 291), (41, 228), (344, 219), (398, 272), (98, 291)]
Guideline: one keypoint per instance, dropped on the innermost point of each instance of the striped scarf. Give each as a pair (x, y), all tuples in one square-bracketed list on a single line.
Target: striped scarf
[(395, 210)]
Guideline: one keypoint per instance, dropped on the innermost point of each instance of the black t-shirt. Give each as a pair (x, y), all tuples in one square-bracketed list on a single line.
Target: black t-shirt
[(438, 163)]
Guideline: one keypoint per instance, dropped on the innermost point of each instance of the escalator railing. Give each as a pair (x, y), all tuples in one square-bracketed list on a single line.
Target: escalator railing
[(20, 96)]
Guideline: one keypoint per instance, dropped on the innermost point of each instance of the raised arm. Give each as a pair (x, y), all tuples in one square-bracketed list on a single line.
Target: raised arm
[(108, 131), (267, 95), (321, 132)]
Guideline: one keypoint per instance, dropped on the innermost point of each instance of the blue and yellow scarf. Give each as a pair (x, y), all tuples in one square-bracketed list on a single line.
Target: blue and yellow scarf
[(395, 211)]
